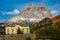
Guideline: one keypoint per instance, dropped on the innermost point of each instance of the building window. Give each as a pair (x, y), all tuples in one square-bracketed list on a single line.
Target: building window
[(7, 31), (27, 30), (23, 30), (12, 31)]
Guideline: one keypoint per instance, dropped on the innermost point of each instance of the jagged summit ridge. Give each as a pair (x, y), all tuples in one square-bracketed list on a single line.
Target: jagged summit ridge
[(32, 15), (31, 6)]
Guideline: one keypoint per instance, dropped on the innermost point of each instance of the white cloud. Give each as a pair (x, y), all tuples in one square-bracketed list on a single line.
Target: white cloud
[(15, 19), (8, 12), (54, 12), (11, 12), (16, 11)]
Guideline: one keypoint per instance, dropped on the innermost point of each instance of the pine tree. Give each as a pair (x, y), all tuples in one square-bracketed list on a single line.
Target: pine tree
[(19, 31)]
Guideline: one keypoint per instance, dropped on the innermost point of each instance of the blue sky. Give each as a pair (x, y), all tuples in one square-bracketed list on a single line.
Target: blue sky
[(11, 8)]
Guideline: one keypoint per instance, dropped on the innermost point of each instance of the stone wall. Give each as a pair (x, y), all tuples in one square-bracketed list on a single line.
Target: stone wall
[(17, 37)]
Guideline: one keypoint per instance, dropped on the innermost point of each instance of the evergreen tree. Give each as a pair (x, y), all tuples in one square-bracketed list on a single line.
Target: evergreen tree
[(19, 31)]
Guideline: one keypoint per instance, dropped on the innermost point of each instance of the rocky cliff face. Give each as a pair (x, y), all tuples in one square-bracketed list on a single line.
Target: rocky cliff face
[(56, 19), (31, 15)]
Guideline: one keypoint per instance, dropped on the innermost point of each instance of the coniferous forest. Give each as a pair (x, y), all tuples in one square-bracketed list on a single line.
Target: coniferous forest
[(47, 28)]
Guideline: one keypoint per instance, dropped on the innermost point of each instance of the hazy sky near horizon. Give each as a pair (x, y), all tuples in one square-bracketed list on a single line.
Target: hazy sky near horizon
[(11, 8)]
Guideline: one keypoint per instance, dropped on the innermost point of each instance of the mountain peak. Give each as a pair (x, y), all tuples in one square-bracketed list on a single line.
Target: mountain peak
[(32, 15), (42, 7), (31, 6)]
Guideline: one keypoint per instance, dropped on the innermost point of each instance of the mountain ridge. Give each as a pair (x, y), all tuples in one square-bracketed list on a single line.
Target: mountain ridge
[(32, 15)]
